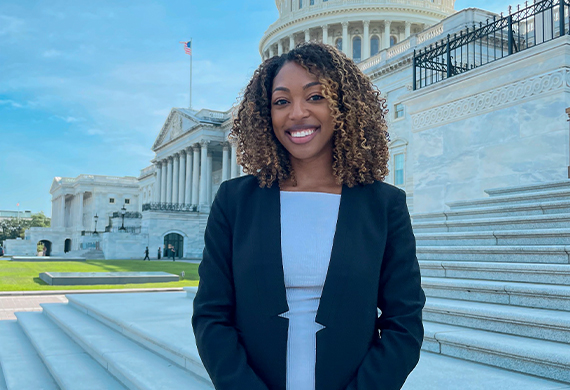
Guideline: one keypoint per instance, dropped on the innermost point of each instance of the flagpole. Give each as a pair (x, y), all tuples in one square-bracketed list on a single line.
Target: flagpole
[(190, 107)]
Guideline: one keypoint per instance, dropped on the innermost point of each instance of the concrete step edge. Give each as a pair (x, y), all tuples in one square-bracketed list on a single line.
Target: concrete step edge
[(526, 187), (71, 367), (176, 354), (21, 365), (133, 364), (530, 196), (504, 287), (3, 385)]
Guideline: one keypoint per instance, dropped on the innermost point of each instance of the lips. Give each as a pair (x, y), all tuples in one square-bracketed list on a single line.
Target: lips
[(302, 134)]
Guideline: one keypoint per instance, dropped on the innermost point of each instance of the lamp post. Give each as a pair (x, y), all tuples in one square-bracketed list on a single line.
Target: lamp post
[(96, 218), (123, 211)]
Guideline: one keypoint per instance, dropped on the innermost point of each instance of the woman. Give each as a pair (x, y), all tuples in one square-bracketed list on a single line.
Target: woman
[(300, 254)]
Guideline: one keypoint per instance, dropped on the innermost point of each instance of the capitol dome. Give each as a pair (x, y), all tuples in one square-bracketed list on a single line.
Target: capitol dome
[(360, 28)]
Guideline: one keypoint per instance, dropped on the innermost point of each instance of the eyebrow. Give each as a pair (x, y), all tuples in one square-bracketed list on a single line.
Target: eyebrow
[(311, 84)]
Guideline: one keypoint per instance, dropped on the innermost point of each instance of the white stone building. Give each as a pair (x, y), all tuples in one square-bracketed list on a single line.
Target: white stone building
[(495, 120)]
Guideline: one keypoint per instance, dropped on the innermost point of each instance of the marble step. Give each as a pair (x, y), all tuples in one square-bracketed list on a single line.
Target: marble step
[(558, 274), (549, 254), (499, 237), (556, 221), (526, 188), (545, 359), (551, 195), (538, 296), (133, 365), (2, 380), (68, 363), (22, 367), (550, 325), (518, 210), (176, 344)]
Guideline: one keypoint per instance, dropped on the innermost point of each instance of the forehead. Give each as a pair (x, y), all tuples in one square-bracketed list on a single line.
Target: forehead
[(293, 74)]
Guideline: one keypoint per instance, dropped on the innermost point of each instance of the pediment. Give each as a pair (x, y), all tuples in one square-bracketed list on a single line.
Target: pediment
[(54, 184), (177, 124)]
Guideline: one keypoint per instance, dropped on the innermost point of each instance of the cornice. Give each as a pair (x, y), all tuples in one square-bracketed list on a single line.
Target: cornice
[(392, 66)]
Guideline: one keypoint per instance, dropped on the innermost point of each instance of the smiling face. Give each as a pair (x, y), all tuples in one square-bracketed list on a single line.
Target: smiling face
[(300, 115)]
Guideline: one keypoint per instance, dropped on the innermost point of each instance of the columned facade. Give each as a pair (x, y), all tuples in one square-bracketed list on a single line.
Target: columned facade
[(378, 22)]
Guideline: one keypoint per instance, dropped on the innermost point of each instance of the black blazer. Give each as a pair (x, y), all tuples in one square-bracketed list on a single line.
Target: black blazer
[(241, 338)]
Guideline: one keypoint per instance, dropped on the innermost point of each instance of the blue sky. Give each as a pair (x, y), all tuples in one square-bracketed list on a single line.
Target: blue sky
[(86, 86)]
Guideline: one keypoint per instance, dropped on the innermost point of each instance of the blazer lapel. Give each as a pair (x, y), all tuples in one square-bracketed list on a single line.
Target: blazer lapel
[(271, 277), (342, 254)]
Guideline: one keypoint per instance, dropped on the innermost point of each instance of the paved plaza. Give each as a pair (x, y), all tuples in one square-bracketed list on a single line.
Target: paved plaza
[(11, 304)]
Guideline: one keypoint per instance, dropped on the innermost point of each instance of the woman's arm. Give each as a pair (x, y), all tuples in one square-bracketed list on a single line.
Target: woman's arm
[(216, 337), (401, 299)]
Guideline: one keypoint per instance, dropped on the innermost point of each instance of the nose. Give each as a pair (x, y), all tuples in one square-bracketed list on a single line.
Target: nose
[(298, 110)]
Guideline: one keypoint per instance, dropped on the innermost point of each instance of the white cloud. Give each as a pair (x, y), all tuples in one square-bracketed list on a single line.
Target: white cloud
[(10, 103), (68, 119), (95, 132), (10, 26)]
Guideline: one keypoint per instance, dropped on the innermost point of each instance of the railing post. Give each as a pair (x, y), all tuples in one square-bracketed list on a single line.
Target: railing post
[(448, 56), (510, 33), (562, 18), (414, 70)]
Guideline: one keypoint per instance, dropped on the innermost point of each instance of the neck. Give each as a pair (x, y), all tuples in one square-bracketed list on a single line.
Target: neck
[(313, 175)]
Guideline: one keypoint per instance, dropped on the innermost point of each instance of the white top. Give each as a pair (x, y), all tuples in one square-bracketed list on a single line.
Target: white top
[(308, 224)]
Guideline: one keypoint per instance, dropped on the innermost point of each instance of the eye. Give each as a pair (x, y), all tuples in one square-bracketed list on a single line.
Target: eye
[(280, 102), (315, 98)]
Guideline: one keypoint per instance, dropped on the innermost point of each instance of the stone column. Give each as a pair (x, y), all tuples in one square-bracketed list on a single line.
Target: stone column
[(188, 190), (291, 42), (241, 172), (366, 40), (408, 28), (54, 214), (345, 38), (196, 175), (325, 28), (62, 210), (157, 183), (271, 51), (233, 165), (204, 172), (307, 35), (387, 24), (225, 161), (209, 178), (279, 47), (182, 176), (80, 211), (175, 174), (163, 184), (169, 181)]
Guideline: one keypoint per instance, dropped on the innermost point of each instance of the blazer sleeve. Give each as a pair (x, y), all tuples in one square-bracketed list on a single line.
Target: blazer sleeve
[(217, 339), (401, 299)]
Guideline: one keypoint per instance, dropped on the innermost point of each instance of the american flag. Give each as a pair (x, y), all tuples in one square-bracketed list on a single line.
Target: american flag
[(188, 47)]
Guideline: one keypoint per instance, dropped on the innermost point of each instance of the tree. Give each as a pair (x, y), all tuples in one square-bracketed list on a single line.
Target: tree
[(11, 228)]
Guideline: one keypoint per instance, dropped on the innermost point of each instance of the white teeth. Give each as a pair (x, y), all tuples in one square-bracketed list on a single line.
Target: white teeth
[(303, 133)]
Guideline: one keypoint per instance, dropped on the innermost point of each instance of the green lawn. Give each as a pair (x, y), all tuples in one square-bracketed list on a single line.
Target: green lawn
[(24, 276)]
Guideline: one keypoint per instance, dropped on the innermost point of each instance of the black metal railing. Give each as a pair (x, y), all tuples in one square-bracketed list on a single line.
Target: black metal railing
[(178, 207), (487, 42), (126, 229), (128, 214), (89, 233)]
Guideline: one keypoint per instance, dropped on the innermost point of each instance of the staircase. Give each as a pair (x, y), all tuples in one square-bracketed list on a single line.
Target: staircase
[(496, 273), (103, 341), (94, 254)]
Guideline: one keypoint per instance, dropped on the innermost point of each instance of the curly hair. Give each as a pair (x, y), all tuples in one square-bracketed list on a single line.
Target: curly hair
[(360, 138)]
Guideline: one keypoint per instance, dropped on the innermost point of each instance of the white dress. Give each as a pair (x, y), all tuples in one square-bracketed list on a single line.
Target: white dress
[(308, 224)]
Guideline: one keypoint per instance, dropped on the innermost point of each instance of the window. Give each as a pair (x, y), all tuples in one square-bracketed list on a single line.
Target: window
[(374, 45), (399, 169), (393, 40), (127, 201), (338, 44), (300, 4), (398, 111), (356, 49), (111, 200), (312, 2)]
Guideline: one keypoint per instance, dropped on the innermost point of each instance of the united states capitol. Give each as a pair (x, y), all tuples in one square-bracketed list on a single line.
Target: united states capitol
[(478, 109)]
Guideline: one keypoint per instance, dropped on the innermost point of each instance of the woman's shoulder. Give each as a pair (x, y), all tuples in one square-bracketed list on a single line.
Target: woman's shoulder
[(385, 190)]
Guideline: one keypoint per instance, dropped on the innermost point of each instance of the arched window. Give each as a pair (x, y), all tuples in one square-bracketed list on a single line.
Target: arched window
[(393, 40), (356, 49), (300, 4), (374, 45), (338, 44), (312, 2)]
